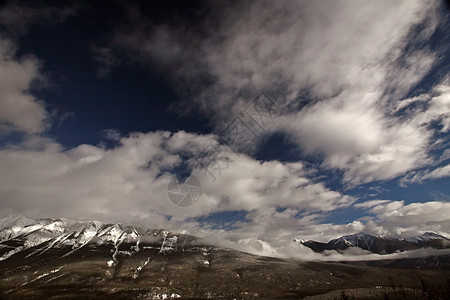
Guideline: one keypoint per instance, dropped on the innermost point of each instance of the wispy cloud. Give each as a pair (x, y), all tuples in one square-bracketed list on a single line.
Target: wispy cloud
[(343, 73), (18, 16), (105, 59)]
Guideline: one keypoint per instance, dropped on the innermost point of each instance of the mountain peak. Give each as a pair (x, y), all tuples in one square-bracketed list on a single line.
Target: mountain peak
[(35, 237), (429, 233), (379, 244), (359, 234)]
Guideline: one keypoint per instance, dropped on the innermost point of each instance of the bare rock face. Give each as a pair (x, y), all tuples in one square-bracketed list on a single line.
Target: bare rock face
[(67, 259)]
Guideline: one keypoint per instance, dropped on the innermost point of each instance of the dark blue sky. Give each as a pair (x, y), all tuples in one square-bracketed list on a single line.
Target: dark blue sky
[(132, 98)]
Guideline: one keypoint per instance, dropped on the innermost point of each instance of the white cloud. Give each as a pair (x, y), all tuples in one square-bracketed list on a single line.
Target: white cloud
[(371, 203), (440, 172), (19, 109), (412, 219), (248, 184), (420, 176), (131, 179), (427, 174), (358, 136), (354, 136), (270, 232)]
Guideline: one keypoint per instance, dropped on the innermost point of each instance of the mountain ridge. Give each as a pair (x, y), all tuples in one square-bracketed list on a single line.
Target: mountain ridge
[(378, 244), (18, 233)]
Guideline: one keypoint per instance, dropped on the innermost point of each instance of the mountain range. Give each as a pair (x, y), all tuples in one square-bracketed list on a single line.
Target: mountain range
[(65, 259), (379, 244), (35, 237)]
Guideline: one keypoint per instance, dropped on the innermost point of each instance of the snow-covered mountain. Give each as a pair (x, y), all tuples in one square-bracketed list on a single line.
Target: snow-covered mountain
[(31, 237), (379, 244)]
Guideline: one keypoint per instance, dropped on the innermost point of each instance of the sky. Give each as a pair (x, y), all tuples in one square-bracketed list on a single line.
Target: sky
[(248, 123)]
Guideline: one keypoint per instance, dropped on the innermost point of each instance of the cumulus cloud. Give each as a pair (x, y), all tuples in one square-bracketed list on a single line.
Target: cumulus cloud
[(398, 218), (247, 184), (358, 137), (131, 179), (19, 109)]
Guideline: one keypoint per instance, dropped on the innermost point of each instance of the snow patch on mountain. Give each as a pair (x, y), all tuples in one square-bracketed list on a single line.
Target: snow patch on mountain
[(427, 236), (169, 243), (355, 240), (378, 244), (18, 234)]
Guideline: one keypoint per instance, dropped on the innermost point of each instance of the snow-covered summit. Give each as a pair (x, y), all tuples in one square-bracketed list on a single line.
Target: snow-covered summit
[(18, 233), (355, 240), (427, 236), (379, 244)]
